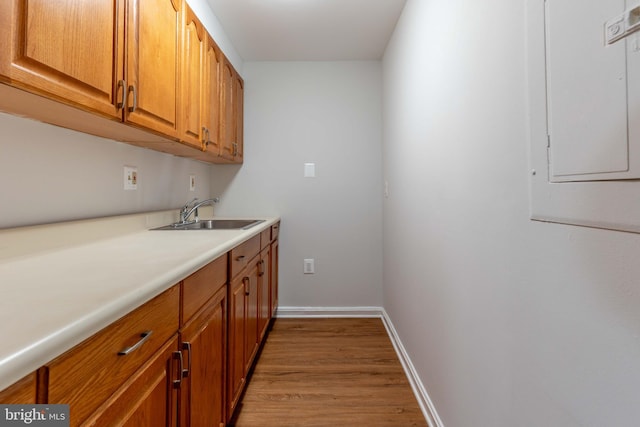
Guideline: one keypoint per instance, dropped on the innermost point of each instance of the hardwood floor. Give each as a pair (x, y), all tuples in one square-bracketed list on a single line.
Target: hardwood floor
[(328, 372)]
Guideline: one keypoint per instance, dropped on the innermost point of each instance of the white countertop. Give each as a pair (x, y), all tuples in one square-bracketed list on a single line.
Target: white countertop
[(55, 297)]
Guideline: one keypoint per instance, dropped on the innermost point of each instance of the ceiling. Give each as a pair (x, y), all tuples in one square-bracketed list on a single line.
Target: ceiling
[(308, 30)]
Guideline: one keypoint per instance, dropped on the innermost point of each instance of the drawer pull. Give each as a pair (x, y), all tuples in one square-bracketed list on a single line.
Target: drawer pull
[(143, 337), (187, 346), (240, 258)]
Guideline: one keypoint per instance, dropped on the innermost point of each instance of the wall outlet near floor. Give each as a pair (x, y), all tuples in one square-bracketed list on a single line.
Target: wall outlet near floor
[(130, 178), (309, 266), (192, 183)]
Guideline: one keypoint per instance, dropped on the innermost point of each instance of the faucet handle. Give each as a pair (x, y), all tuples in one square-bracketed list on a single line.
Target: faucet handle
[(186, 206)]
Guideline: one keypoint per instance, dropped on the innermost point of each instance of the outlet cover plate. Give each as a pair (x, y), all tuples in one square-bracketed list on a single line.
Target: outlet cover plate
[(130, 178)]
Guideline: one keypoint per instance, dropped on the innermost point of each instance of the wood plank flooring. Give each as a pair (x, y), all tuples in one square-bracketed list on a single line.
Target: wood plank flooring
[(328, 372)]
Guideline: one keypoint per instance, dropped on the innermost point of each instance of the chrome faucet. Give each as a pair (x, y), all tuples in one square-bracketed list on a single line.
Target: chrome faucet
[(188, 209)]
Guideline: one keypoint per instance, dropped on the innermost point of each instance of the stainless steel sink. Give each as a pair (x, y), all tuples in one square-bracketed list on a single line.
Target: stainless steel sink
[(214, 224)]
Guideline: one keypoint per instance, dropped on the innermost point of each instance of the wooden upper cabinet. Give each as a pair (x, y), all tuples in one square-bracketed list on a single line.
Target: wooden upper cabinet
[(75, 51), (192, 83), (148, 65), (231, 114), (69, 50), (211, 104), (153, 44), (227, 129), (238, 117)]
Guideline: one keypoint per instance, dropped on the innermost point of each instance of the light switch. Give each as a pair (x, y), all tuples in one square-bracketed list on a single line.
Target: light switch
[(309, 170), (309, 266)]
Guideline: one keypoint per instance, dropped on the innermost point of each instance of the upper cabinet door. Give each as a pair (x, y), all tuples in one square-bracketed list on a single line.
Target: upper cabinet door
[(69, 50), (153, 41), (211, 104), (227, 128), (192, 128), (231, 114), (238, 119)]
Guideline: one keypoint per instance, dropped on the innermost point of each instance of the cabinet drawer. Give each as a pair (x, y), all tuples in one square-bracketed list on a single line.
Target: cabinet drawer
[(85, 376), (242, 254), (265, 238), (202, 285), (21, 392), (275, 229)]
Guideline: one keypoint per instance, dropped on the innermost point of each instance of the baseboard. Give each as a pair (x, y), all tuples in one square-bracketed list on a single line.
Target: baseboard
[(424, 401), (349, 312)]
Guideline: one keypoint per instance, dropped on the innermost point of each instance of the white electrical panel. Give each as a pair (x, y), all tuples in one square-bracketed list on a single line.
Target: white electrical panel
[(593, 91), (583, 75)]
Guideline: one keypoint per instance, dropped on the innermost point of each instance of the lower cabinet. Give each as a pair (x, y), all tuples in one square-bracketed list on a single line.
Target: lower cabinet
[(236, 349), (264, 282), (148, 398), (204, 343), (90, 374), (23, 391), (179, 360)]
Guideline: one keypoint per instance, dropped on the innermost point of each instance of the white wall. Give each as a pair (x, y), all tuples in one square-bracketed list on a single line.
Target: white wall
[(51, 174), (328, 113), (509, 322)]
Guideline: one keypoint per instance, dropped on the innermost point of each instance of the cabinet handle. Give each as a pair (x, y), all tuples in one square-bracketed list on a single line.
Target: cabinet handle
[(206, 137), (143, 337), (134, 91), (121, 84), (178, 355), (187, 346), (240, 258), (261, 268), (247, 289)]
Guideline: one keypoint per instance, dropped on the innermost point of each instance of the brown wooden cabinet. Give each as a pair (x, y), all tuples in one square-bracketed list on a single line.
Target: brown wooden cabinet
[(264, 282), (211, 104), (235, 359), (148, 398), (75, 51), (22, 391), (204, 346), (238, 117), (273, 282), (149, 66), (250, 279), (151, 69), (86, 376), (79, 64), (192, 80), (181, 358), (232, 114), (243, 317)]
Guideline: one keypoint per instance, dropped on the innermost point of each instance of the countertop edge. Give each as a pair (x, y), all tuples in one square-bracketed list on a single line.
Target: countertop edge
[(18, 364)]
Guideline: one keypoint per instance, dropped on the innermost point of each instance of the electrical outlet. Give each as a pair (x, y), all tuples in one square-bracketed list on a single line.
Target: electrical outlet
[(192, 183), (130, 178), (309, 266)]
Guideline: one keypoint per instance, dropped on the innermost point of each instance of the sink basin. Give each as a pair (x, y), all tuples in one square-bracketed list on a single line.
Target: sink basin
[(215, 224)]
